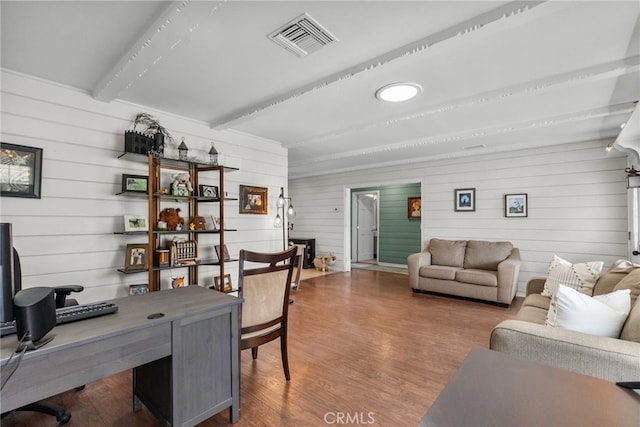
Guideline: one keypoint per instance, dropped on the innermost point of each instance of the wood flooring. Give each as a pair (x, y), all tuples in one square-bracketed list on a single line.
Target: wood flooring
[(363, 350)]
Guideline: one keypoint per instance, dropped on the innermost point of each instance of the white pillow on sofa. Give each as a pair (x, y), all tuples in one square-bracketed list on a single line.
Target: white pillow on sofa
[(582, 276), (602, 315)]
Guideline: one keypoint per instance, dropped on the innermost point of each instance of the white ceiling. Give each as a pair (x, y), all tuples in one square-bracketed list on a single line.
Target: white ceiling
[(495, 75)]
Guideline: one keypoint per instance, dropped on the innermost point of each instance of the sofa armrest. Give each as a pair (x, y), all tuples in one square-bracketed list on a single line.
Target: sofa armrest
[(414, 262), (508, 271), (611, 359), (535, 285)]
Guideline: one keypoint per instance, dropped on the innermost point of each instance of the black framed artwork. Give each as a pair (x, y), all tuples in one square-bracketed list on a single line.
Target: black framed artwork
[(464, 199), (20, 171)]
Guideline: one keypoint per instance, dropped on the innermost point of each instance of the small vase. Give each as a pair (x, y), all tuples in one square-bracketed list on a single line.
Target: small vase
[(158, 143)]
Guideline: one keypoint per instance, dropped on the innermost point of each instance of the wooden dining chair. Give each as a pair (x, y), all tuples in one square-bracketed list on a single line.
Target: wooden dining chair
[(264, 283), (295, 283)]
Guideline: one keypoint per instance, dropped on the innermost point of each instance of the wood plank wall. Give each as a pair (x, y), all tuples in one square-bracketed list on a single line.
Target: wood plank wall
[(67, 236), (576, 193)]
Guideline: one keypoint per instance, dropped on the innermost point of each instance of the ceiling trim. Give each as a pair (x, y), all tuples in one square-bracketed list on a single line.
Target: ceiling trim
[(502, 13)]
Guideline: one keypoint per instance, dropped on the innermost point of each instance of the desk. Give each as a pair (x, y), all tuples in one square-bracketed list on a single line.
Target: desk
[(186, 364), (495, 389)]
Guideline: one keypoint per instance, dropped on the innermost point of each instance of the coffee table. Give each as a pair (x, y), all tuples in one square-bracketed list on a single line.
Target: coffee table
[(495, 389)]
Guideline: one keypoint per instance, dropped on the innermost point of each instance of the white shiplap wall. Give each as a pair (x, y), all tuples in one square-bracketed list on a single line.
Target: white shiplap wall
[(576, 194), (67, 236)]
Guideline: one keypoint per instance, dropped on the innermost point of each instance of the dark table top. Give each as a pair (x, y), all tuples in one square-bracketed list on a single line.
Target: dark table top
[(495, 389)]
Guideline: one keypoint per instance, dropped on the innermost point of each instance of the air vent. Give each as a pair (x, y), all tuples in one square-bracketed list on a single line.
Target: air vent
[(302, 36)]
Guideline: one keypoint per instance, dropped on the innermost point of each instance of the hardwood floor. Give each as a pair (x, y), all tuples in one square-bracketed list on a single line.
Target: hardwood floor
[(362, 347)]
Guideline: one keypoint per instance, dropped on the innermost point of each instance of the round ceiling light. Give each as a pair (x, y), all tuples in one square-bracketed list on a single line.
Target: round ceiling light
[(398, 92)]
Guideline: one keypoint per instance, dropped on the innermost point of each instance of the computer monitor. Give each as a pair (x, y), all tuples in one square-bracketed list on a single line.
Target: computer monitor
[(10, 274)]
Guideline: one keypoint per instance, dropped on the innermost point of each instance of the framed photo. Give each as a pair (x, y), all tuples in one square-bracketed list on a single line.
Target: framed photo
[(515, 205), (208, 191), (222, 283), (464, 199), (138, 289), (253, 200), (135, 223), (20, 171), (136, 258), (137, 183), (227, 257), (414, 208)]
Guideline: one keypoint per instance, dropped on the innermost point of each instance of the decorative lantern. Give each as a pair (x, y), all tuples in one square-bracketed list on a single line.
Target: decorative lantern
[(213, 155), (183, 150)]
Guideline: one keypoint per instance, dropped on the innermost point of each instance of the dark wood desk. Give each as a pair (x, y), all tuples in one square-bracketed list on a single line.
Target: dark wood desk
[(186, 363), (494, 389)]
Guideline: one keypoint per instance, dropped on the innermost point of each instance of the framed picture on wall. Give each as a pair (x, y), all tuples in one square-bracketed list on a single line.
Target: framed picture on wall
[(20, 171), (464, 199), (253, 200), (414, 208), (515, 205)]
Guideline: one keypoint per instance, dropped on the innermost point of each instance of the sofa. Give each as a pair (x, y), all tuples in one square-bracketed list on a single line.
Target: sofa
[(614, 359), (466, 268)]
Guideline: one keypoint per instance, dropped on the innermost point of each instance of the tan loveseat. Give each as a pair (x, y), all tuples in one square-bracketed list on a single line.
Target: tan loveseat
[(467, 268), (613, 359)]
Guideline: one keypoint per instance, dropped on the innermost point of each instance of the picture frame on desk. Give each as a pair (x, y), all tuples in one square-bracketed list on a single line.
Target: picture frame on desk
[(222, 283), (138, 289), (136, 257)]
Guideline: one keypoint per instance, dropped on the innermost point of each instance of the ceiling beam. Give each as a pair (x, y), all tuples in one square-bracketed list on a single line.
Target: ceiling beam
[(502, 14)]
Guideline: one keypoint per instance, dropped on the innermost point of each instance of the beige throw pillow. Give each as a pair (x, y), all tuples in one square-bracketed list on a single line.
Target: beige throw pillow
[(581, 277)]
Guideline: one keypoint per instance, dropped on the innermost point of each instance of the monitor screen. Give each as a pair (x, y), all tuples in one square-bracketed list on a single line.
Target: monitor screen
[(10, 274)]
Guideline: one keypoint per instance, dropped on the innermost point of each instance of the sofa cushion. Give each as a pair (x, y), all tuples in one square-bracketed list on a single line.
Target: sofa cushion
[(477, 277), (486, 255), (581, 277), (632, 282), (447, 252), (607, 282), (439, 272), (537, 300), (602, 315), (532, 314), (631, 328)]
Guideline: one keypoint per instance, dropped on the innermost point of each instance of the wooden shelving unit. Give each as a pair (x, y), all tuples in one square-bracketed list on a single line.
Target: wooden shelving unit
[(155, 198)]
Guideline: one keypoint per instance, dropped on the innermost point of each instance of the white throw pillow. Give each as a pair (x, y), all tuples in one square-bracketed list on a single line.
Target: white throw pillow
[(602, 315), (581, 277)]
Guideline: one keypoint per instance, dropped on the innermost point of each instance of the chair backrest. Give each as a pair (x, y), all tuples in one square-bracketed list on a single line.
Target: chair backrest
[(264, 282), (298, 267)]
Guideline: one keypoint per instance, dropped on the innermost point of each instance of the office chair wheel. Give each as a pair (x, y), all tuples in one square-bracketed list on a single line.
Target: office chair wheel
[(64, 417)]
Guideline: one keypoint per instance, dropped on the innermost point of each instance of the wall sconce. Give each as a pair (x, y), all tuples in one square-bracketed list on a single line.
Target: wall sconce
[(183, 150), (213, 155), (284, 204)]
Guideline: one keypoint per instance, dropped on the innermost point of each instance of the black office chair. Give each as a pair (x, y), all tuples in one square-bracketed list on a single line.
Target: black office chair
[(44, 406)]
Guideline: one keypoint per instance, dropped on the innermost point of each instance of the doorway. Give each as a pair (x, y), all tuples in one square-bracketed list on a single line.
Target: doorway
[(364, 237)]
